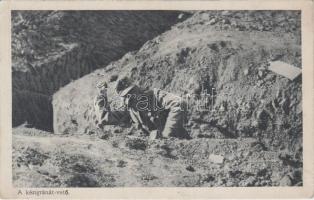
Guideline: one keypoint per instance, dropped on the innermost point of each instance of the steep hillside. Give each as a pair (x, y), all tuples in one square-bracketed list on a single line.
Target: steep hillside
[(199, 56), (52, 48)]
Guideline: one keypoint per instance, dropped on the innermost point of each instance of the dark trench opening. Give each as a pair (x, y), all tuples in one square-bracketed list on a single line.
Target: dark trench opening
[(101, 37), (33, 110)]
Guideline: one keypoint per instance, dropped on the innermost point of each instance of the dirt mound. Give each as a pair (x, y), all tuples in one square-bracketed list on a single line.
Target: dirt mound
[(197, 57), (52, 48)]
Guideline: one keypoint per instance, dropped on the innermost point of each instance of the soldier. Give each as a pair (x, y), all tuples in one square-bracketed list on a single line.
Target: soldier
[(104, 115), (155, 112)]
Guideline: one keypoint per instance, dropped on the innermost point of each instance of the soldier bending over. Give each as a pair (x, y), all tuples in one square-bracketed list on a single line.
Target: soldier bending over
[(155, 112)]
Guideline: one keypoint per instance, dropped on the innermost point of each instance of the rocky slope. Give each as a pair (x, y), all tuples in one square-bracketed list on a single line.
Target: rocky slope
[(250, 134), (204, 52), (52, 48)]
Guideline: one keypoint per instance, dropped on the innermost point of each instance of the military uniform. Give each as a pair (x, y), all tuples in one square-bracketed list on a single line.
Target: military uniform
[(104, 115), (149, 110)]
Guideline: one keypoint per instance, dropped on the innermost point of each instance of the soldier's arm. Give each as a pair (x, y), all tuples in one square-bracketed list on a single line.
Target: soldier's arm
[(104, 115)]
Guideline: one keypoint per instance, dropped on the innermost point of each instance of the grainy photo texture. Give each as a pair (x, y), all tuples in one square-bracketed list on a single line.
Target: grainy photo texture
[(157, 98)]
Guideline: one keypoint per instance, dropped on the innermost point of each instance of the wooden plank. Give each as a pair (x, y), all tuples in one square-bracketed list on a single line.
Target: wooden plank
[(284, 69)]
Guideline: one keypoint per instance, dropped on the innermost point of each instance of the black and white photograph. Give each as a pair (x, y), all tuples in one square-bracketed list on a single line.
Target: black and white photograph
[(156, 98)]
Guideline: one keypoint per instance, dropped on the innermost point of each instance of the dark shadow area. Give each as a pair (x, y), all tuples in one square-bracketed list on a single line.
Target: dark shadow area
[(52, 48), (32, 109)]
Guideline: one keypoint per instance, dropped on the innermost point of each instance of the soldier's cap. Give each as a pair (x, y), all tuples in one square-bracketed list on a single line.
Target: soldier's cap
[(102, 84), (124, 86)]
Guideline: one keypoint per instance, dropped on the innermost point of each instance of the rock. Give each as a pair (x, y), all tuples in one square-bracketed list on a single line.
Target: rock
[(226, 13), (190, 123), (240, 27), (227, 167), (276, 56), (195, 126), (229, 183), (204, 127), (27, 125), (136, 143), (113, 77), (222, 108), (104, 136), (225, 21), (44, 172), (223, 123), (246, 72), (195, 133), (166, 153), (225, 27), (115, 144), (247, 154), (262, 172), (262, 67), (234, 24), (89, 132), (213, 47), (118, 130), (232, 157), (180, 16), (148, 177), (235, 174), (299, 109), (207, 178), (260, 74), (250, 181), (81, 180), (285, 181), (221, 181), (53, 176), (270, 77), (265, 182), (121, 163), (260, 27), (258, 147), (190, 168), (212, 21), (216, 159)]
